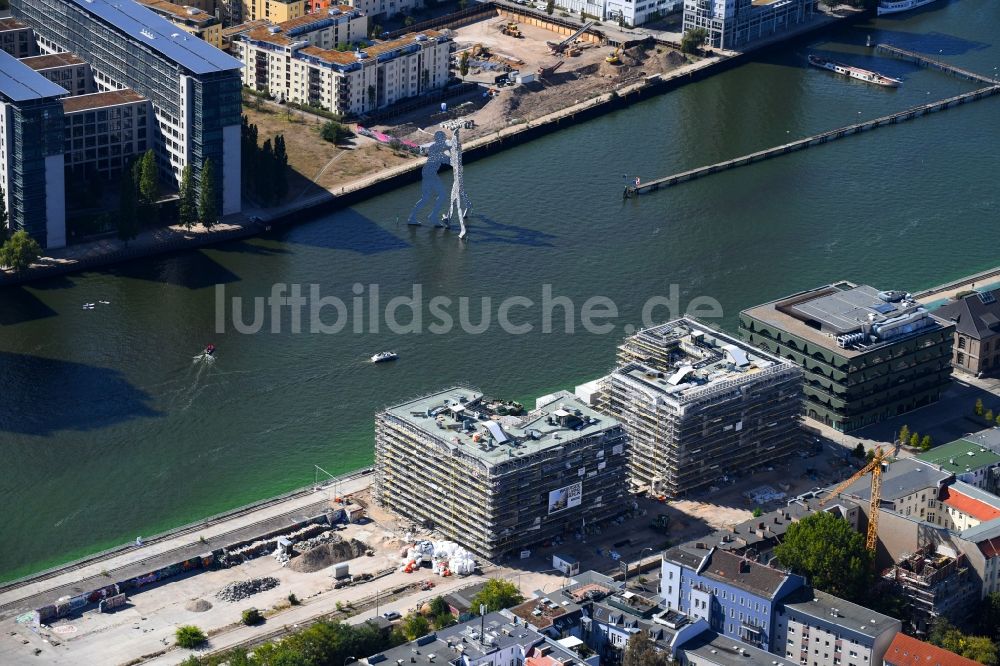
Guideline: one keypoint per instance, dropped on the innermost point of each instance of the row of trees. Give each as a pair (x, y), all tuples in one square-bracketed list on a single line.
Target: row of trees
[(986, 413), (914, 440), (978, 648), (139, 193), (264, 167)]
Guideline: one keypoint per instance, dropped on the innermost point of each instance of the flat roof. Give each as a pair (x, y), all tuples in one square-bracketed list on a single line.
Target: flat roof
[(821, 315), (100, 100), (443, 415), (832, 610), (902, 478), (51, 60), (241, 28), (157, 33), (20, 83), (11, 23), (181, 12), (719, 650), (962, 455)]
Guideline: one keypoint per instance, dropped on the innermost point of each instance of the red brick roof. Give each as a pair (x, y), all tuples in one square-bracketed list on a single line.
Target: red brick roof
[(976, 508), (990, 547), (908, 651)]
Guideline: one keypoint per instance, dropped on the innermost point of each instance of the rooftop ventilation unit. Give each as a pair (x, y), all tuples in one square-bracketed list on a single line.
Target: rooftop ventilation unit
[(274, 29), (147, 33)]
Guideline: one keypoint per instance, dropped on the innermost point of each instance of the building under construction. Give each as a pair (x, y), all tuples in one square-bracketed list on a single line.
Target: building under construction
[(497, 482), (699, 405), (937, 585)]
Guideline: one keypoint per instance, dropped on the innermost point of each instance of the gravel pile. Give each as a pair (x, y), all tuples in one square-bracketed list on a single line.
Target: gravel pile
[(326, 555), (198, 606), (241, 589)]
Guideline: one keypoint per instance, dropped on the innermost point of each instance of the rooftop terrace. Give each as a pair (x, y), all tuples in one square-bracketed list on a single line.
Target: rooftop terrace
[(189, 15), (49, 61), (962, 455), (100, 100)]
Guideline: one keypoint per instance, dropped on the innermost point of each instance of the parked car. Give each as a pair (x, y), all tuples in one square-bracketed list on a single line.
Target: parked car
[(391, 615)]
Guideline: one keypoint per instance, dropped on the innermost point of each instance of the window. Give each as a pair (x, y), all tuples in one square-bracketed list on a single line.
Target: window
[(961, 342), (960, 359)]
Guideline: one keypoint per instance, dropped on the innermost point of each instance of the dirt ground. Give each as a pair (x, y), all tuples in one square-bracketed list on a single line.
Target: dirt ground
[(316, 163), (578, 78)]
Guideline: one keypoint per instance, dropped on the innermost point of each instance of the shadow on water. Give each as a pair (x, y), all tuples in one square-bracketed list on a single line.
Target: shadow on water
[(932, 44), (60, 282), (18, 305), (64, 395), (248, 247), (483, 229), (347, 230), (193, 270)]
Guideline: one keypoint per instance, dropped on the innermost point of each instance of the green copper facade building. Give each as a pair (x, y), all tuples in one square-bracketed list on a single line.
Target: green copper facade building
[(868, 355)]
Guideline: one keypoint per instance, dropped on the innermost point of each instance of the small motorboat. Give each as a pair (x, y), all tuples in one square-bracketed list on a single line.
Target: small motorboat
[(88, 306), (382, 357), (210, 350)]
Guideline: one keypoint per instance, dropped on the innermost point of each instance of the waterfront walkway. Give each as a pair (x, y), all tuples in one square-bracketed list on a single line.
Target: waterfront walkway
[(953, 288), (158, 551)]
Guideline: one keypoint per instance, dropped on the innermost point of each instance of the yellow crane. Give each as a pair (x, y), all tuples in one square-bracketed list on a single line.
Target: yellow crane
[(875, 469)]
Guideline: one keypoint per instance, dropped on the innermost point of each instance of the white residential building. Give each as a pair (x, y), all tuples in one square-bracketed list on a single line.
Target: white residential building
[(297, 61), (629, 12)]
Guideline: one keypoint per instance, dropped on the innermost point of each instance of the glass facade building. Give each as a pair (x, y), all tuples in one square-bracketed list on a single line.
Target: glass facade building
[(194, 88)]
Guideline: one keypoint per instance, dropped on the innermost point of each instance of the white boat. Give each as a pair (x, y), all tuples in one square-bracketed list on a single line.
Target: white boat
[(854, 72), (896, 6), (384, 356)]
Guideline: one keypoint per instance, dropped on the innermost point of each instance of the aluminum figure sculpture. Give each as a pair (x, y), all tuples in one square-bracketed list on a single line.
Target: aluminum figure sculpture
[(459, 204), (432, 187)]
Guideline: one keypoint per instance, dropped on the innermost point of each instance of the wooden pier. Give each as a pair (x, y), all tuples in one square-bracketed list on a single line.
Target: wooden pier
[(923, 61), (826, 137)]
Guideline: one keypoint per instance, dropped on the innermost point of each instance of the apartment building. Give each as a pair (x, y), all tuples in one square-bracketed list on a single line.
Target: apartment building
[(972, 459), (67, 70), (734, 24), (868, 355), (105, 131), (381, 9), (193, 20), (16, 38), (297, 61), (813, 628), (275, 11), (193, 87), (31, 152), (625, 11), (737, 596), (976, 348), (699, 405), (498, 483)]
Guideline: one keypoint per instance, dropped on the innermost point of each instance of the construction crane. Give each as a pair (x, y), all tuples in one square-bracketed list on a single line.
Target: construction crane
[(875, 469)]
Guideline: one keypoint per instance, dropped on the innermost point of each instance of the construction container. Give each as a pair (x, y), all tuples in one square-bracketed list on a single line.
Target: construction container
[(341, 570)]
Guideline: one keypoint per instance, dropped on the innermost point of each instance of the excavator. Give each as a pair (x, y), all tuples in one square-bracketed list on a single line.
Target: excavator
[(614, 57)]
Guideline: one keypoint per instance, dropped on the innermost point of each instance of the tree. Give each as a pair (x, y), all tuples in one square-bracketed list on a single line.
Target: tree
[(19, 251), (251, 616), (376, 31), (825, 549), (439, 606), (640, 652), (979, 406), (128, 209), (869, 456), (859, 451), (693, 39), (989, 615), (925, 443), (462, 4), (334, 132), (550, 7), (904, 434), (978, 648), (4, 219), (280, 168), (915, 440), (189, 636), (463, 64), (497, 594), (757, 512), (989, 415), (187, 207), (998, 420), (208, 201), (414, 626), (408, 21), (149, 178)]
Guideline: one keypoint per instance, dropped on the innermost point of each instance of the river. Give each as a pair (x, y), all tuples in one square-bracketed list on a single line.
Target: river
[(109, 430)]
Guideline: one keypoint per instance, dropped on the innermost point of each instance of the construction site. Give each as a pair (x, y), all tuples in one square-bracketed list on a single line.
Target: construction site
[(526, 67), (700, 406)]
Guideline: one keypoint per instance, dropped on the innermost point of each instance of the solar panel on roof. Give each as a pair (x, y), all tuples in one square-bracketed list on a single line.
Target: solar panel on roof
[(883, 308), (149, 28), (987, 297)]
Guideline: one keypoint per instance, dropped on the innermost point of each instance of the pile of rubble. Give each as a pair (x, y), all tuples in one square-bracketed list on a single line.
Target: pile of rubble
[(241, 589)]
